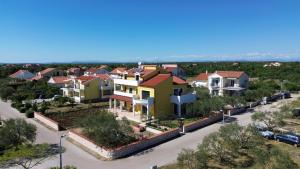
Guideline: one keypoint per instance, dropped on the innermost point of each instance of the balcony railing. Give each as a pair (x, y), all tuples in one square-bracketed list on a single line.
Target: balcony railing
[(137, 100), (120, 93), (187, 98), (126, 82)]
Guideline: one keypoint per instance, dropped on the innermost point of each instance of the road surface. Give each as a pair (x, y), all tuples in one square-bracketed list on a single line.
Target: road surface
[(160, 155)]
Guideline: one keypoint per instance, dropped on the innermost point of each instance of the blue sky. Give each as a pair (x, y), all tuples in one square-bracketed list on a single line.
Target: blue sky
[(148, 30)]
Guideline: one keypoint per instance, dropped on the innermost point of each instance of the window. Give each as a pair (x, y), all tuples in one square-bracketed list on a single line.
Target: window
[(130, 90), (125, 76), (137, 77), (145, 94), (232, 83)]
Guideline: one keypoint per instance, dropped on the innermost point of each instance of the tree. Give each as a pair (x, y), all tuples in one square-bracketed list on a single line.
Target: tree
[(6, 92), (187, 158), (106, 130), (27, 156), (16, 132), (270, 119)]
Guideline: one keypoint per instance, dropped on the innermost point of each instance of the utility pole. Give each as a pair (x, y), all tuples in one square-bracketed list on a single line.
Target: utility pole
[(60, 151)]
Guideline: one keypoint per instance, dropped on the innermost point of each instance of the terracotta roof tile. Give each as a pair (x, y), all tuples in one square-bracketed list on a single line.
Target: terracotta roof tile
[(45, 71), (177, 80), (61, 79), (118, 70), (156, 80), (230, 74), (14, 75), (203, 76), (103, 76), (86, 78), (122, 98)]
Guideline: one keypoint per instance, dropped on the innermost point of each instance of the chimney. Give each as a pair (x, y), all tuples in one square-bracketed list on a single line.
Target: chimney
[(206, 71)]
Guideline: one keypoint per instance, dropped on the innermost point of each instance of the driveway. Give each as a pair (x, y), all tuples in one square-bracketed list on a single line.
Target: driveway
[(159, 155)]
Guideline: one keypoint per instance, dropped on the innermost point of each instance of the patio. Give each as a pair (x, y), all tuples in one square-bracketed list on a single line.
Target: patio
[(129, 115)]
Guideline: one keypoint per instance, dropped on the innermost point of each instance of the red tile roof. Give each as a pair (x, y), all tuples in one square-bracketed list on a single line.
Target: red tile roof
[(86, 78), (92, 70), (73, 69), (230, 74), (14, 75), (177, 80), (156, 80), (122, 98), (170, 69), (61, 79), (45, 71), (36, 78), (118, 70), (203, 76), (103, 76)]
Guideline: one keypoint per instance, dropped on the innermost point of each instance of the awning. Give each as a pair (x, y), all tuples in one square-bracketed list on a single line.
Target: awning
[(122, 98)]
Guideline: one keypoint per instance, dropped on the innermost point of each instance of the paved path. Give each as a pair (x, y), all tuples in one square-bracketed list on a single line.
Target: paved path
[(159, 155)]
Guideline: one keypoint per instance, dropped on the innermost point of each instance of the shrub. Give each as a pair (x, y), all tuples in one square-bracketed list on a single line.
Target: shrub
[(22, 109), (29, 114)]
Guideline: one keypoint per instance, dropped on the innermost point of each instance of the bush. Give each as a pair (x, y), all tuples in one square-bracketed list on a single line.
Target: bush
[(29, 114), (16, 105), (22, 109)]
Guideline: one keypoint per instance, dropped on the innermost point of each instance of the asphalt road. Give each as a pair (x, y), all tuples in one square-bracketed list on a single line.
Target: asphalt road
[(160, 155)]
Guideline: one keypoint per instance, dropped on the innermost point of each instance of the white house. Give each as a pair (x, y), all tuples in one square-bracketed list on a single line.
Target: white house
[(201, 80), (175, 70), (227, 82), (96, 71)]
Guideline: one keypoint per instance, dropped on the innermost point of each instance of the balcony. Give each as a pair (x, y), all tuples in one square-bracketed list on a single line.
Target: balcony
[(120, 93), (126, 82), (137, 100), (187, 98)]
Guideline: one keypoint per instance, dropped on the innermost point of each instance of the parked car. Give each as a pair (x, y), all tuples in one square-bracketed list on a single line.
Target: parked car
[(288, 138), (285, 94), (265, 133)]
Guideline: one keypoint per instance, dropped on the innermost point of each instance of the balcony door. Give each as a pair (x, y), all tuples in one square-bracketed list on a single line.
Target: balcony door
[(215, 82), (145, 94), (177, 92)]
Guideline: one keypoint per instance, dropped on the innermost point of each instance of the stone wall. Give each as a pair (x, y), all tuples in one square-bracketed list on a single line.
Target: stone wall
[(47, 121), (124, 150), (203, 122)]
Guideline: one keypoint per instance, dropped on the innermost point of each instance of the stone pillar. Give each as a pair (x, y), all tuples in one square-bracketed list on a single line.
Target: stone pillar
[(179, 109), (120, 106), (110, 106), (115, 105), (147, 111), (133, 109)]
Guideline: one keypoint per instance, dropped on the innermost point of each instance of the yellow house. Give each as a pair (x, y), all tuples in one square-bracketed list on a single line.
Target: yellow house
[(89, 88), (148, 92)]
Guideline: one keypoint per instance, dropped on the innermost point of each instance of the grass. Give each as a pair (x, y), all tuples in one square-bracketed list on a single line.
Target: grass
[(174, 123), (76, 107)]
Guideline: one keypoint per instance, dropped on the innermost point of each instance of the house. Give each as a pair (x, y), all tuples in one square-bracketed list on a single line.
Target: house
[(74, 71), (89, 88), (175, 70), (146, 92), (117, 73), (59, 81), (48, 73), (96, 71), (22, 75), (201, 80), (227, 82)]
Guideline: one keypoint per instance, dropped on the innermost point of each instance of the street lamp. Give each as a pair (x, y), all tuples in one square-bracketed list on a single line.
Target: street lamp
[(60, 151), (223, 122)]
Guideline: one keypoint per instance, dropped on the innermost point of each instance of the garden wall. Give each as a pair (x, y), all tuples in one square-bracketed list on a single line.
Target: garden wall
[(124, 150), (203, 122), (47, 121)]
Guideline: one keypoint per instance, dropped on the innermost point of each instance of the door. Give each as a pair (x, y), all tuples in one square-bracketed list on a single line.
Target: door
[(144, 109)]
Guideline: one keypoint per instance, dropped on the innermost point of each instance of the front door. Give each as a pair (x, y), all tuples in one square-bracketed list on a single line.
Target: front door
[(144, 109)]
